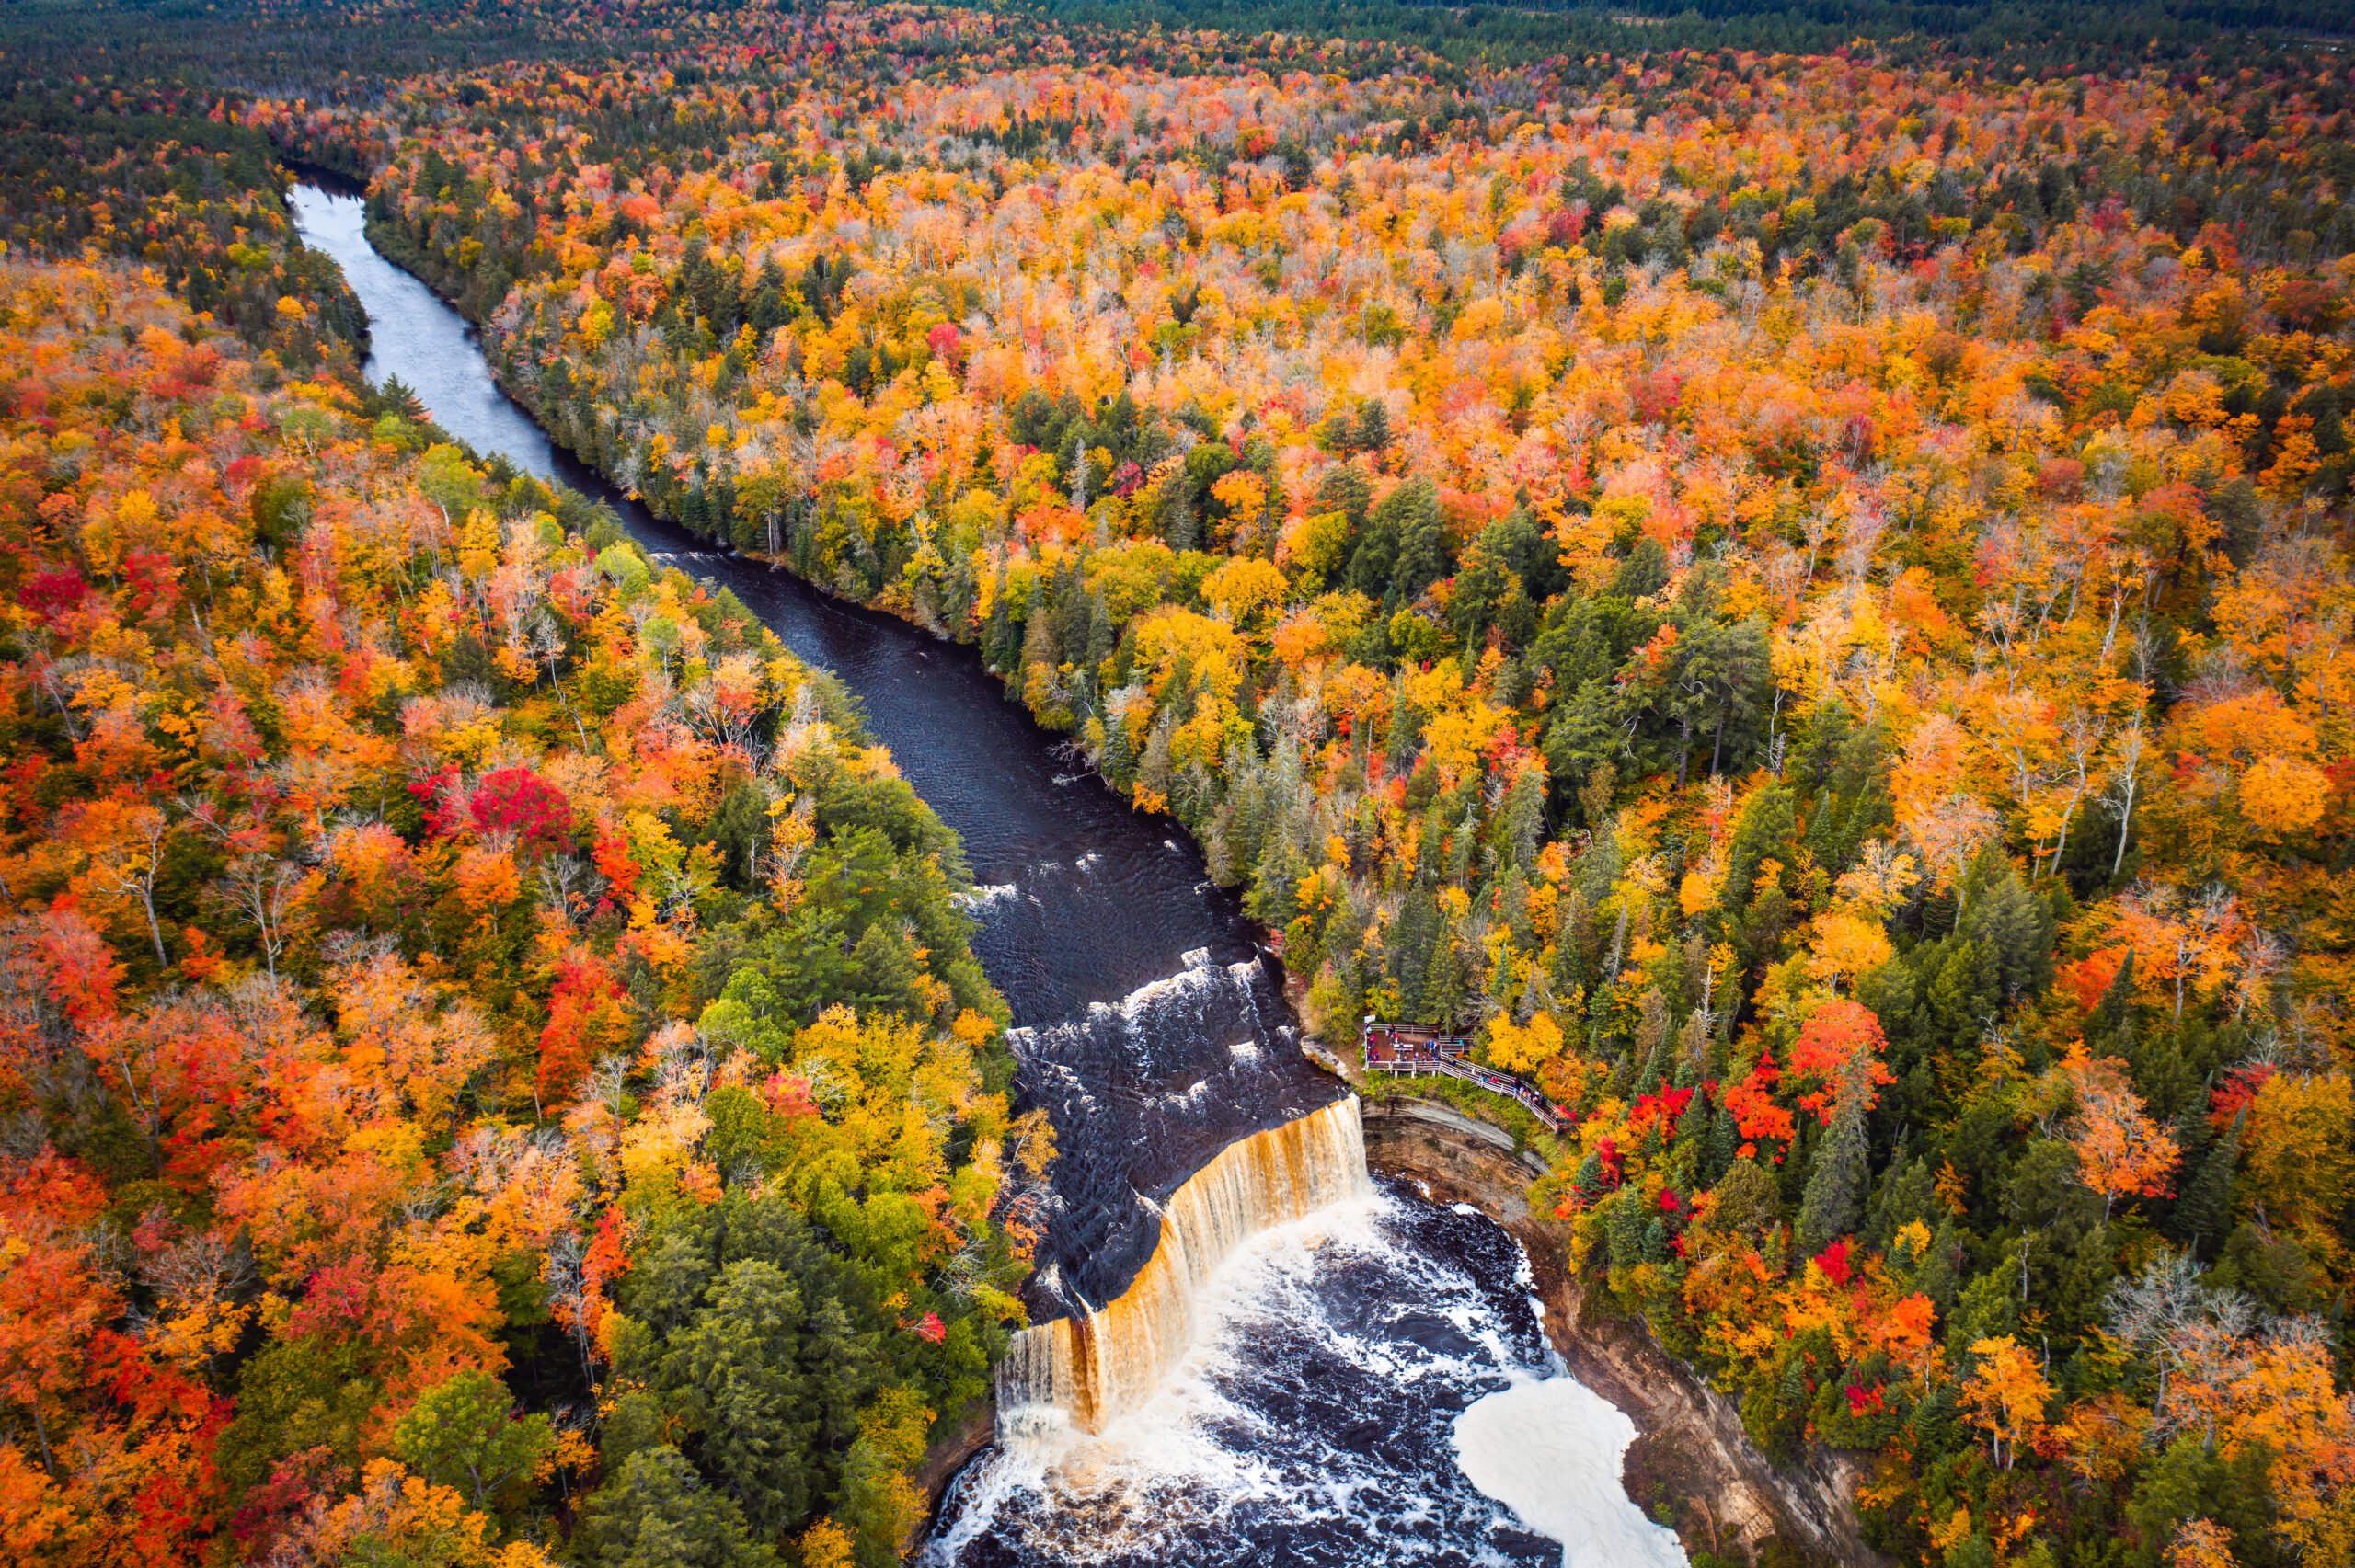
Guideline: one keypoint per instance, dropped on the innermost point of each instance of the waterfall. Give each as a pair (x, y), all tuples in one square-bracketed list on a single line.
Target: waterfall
[(1088, 1369)]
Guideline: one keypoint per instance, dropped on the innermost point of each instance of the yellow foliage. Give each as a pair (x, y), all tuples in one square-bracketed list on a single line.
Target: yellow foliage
[(1524, 1049), (1244, 587), (1849, 945), (2280, 797)]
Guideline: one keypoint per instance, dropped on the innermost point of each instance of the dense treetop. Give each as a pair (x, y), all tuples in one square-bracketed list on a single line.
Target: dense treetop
[(1799, 598)]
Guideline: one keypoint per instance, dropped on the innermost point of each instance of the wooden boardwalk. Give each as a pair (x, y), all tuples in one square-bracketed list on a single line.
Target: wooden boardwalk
[(1414, 1051)]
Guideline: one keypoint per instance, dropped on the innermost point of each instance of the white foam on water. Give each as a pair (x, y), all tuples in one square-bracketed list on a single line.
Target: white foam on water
[(1194, 1096), (982, 896), (1246, 1454), (1173, 1464), (1196, 976), (1550, 1450)]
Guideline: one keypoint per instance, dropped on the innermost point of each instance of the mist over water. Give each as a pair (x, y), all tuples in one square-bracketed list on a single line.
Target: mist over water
[(1309, 1417)]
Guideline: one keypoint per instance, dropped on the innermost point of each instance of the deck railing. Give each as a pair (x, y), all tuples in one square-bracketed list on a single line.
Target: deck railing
[(1418, 1060)]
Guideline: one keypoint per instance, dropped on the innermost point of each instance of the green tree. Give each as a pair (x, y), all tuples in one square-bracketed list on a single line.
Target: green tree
[(462, 1433), (656, 1512), (736, 1375), (2204, 1216), (1834, 1201)]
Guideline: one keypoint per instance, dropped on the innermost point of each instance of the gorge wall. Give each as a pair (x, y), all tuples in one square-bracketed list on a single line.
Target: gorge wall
[(1691, 1447)]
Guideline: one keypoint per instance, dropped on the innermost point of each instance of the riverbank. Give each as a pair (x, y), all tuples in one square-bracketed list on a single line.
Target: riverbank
[(1724, 1496)]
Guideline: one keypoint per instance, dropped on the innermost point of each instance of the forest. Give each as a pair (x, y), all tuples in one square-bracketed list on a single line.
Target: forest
[(467, 992), (1795, 588)]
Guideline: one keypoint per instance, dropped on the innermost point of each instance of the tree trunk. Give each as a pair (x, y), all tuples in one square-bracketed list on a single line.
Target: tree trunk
[(163, 959)]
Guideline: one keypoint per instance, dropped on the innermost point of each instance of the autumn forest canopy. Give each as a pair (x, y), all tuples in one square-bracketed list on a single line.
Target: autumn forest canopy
[(1783, 569)]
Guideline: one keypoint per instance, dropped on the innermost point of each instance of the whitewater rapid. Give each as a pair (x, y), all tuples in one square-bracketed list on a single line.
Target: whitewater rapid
[(1357, 1382)]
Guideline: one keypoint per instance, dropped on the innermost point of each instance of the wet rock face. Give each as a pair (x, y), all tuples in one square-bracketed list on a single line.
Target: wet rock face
[(1692, 1451)]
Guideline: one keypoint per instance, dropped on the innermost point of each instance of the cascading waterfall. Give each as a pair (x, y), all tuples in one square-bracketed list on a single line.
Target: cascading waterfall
[(1089, 1369)]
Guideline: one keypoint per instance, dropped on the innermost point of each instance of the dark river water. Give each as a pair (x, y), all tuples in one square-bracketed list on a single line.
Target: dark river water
[(1314, 1422)]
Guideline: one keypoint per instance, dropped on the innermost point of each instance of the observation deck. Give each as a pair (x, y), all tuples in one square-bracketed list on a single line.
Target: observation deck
[(1415, 1050)]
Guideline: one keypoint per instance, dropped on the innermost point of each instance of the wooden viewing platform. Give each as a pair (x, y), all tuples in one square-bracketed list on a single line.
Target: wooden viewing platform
[(1414, 1050)]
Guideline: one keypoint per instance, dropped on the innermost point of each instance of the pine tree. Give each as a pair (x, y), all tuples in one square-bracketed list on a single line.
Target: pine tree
[(997, 634), (2204, 1215), (1835, 1185), (1693, 1127), (1574, 949), (2001, 917), (1651, 1043), (838, 1366), (1178, 528), (735, 1370), (1965, 992), (1100, 636), (1154, 770), (656, 1511), (1039, 630), (1444, 989), (1120, 758), (1908, 1192), (1409, 942), (1724, 1144), (2162, 1076), (1519, 820), (2112, 1019)]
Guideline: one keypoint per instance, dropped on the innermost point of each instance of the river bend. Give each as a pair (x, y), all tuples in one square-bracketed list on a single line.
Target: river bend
[(1315, 1421)]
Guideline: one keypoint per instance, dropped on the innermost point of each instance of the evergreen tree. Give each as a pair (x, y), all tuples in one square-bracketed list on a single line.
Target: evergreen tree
[(1836, 1183), (1119, 757), (656, 1512), (998, 643), (1039, 630), (1767, 823), (1725, 1143), (1445, 987), (2014, 928), (1519, 820), (738, 1380), (1908, 1192), (1410, 940), (1965, 992), (2204, 1215), (1100, 635)]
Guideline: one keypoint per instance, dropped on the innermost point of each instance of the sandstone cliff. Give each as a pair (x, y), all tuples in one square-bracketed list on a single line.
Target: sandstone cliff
[(1692, 1451)]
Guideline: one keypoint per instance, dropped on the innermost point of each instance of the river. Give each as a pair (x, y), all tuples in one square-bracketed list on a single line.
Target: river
[(1314, 1419)]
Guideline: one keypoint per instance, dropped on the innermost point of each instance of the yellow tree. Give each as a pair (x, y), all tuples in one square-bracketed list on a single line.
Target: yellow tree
[(2006, 1397)]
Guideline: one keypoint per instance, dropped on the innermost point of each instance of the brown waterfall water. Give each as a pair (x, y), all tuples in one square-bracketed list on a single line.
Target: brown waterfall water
[(1093, 1367)]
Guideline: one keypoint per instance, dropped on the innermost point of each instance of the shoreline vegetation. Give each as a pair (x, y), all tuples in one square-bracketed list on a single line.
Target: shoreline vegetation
[(1797, 595)]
